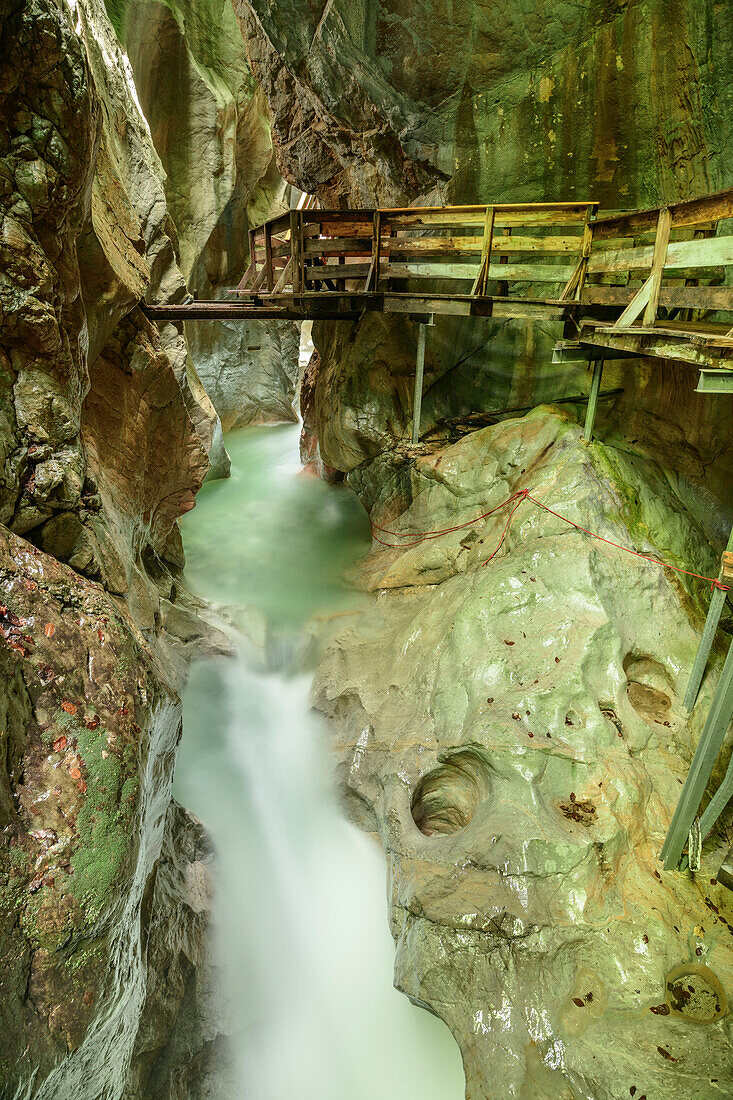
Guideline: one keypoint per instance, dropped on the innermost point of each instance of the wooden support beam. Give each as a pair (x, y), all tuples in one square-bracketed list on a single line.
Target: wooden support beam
[(372, 279), (295, 243), (595, 389), (635, 307), (479, 286), (660, 256), (268, 255), (284, 276), (708, 747), (707, 637)]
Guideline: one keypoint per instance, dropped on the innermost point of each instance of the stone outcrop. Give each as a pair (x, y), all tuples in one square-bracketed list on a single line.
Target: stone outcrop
[(512, 728), (210, 125), (106, 435)]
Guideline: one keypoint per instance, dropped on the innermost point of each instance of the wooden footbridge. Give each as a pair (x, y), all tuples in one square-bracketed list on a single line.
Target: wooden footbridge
[(650, 283), (626, 285)]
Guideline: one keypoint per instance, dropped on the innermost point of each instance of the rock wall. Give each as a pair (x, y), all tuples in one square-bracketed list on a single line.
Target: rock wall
[(507, 715), (210, 124), (106, 436), (514, 731), (627, 103)]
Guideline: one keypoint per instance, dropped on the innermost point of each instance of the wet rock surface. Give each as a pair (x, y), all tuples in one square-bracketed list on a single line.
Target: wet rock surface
[(209, 122), (514, 732), (90, 726), (106, 435)]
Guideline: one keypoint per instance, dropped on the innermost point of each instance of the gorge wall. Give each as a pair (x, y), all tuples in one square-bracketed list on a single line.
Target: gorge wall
[(511, 725), (136, 148), (107, 436), (210, 125)]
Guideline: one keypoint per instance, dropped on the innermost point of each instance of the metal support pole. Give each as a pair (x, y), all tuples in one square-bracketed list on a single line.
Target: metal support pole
[(702, 765), (595, 389), (706, 641), (419, 373)]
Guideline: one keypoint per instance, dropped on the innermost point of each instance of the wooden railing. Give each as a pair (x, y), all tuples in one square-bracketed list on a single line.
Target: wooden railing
[(676, 257), (463, 248)]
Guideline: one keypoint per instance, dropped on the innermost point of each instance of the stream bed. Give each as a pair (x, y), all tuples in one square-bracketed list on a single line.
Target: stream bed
[(303, 940)]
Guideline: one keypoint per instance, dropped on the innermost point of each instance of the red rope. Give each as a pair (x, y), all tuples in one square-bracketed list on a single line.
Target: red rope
[(517, 499)]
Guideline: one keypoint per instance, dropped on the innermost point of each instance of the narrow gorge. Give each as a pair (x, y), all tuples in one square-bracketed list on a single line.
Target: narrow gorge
[(352, 584)]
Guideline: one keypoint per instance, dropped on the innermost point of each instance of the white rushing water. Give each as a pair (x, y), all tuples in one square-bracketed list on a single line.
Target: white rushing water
[(303, 938)]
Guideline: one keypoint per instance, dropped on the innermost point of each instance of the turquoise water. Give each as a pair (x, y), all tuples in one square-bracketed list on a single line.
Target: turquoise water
[(303, 942)]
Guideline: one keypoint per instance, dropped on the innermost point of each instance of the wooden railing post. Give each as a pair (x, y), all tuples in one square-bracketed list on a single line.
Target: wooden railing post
[(502, 287), (295, 251), (664, 225), (268, 255), (479, 286)]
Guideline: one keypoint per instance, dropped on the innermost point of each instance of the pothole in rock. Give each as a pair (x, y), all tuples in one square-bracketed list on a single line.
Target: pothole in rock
[(694, 993), (649, 689), (445, 800)]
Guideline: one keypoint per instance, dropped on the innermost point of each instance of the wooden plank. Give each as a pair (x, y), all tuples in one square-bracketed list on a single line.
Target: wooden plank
[(660, 255), (511, 272), (442, 218), (479, 286), (555, 245), (295, 249), (248, 275), (332, 271), (709, 208), (689, 297), (639, 302), (372, 279), (704, 253), (338, 246), (285, 275)]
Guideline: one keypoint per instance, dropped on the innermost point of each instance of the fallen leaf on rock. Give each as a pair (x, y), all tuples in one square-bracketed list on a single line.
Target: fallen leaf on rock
[(70, 708), (49, 630), (59, 744)]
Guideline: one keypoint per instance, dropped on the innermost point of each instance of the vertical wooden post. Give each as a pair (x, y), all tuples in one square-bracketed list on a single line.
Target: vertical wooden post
[(295, 251), (664, 225), (585, 252), (595, 389), (419, 375), (706, 640), (702, 765), (372, 281), (502, 288), (479, 286), (268, 255)]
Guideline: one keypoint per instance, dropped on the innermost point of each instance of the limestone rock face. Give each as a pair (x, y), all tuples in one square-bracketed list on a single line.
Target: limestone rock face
[(623, 102), (514, 732), (210, 125), (105, 434), (90, 726)]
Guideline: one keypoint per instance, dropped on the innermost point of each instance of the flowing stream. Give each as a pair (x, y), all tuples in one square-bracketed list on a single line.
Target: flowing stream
[(301, 908)]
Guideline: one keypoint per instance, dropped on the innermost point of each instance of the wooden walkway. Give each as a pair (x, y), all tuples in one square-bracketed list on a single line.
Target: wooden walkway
[(648, 283)]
